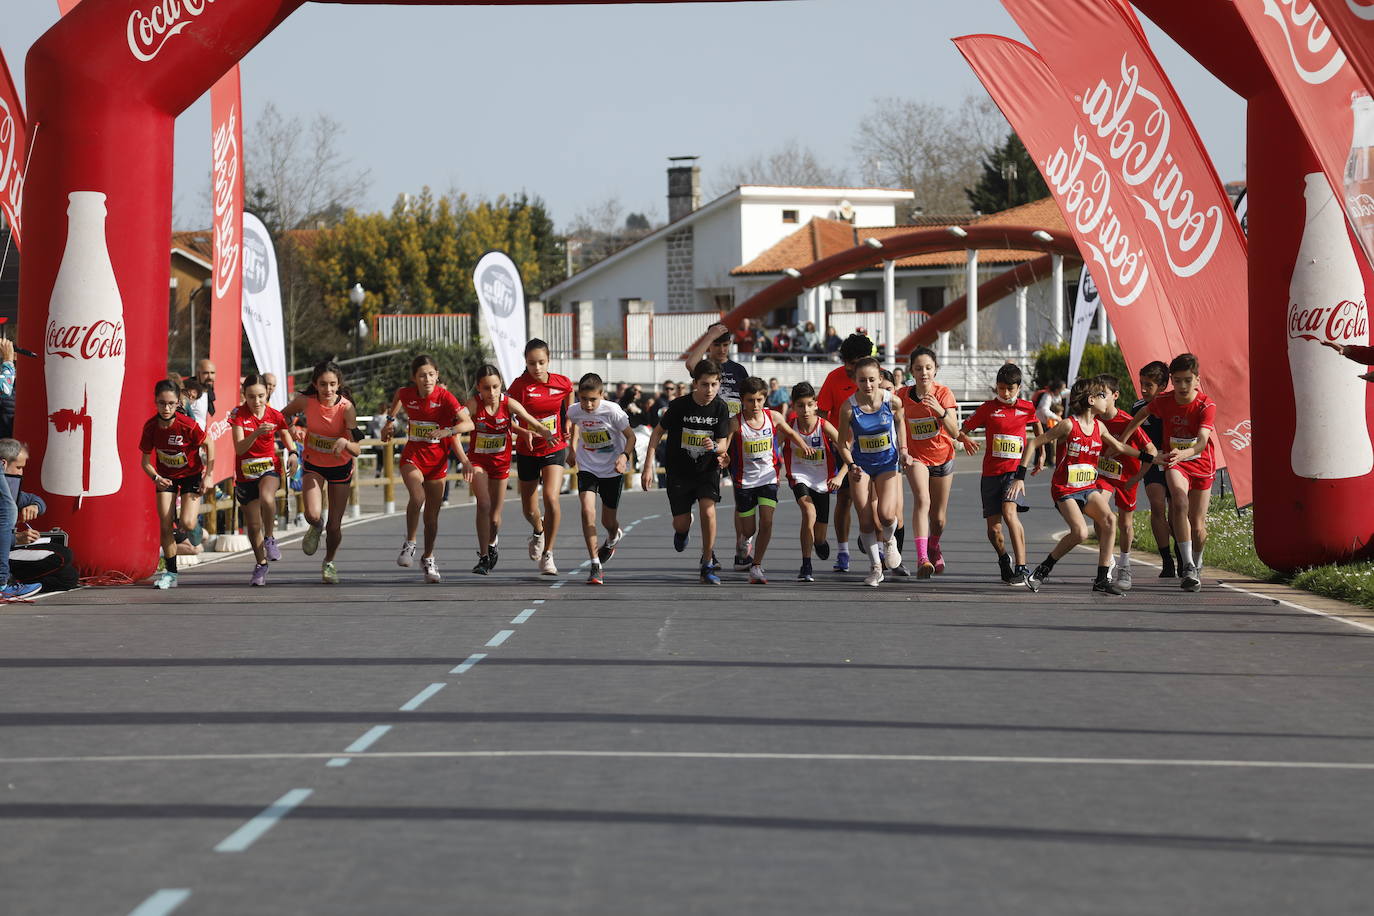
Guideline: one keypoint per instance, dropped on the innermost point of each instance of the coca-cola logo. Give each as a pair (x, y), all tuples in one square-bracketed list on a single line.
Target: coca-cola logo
[(148, 32), (11, 168), (1137, 127), (1087, 198), (1360, 206), (225, 146), (1346, 322), (1361, 8), (100, 340), (1316, 56), (1238, 436)]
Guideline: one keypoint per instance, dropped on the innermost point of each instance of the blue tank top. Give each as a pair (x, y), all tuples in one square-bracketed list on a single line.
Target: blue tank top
[(875, 436)]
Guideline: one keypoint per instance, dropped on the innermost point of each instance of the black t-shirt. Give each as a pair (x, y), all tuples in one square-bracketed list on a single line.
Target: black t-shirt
[(690, 430), (732, 379), (1153, 427)]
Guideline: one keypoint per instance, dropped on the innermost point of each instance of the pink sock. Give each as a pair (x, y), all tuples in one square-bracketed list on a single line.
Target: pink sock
[(935, 544), (921, 549)]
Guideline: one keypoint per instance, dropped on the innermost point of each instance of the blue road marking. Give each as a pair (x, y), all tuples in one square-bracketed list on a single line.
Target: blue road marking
[(249, 833), (162, 902), (368, 739), (524, 615), (500, 638), (414, 702), (467, 664)]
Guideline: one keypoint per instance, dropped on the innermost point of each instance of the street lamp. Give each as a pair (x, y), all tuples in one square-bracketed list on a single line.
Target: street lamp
[(356, 295)]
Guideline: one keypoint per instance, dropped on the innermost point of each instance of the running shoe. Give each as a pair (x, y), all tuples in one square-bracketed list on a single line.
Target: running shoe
[(431, 569), (925, 570), (21, 590), (483, 566), (938, 558), (892, 554), (259, 575), (680, 540), (1037, 578), (714, 564), (822, 549), (546, 566), (1122, 580), (875, 575), (536, 545), (492, 555), (407, 556), (742, 560), (165, 579), (841, 561), (1019, 576), (1192, 582), (329, 573), (708, 576), (594, 576), (311, 542), (756, 576), (1105, 587), (901, 571), (607, 550), (273, 551), (805, 574), (1004, 565)]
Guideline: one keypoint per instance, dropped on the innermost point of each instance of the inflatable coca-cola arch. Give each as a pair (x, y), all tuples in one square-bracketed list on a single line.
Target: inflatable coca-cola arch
[(105, 85)]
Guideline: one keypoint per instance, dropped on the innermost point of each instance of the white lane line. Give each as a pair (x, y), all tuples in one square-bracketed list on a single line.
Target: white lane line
[(537, 601), (467, 664), (524, 615), (724, 755), (162, 902), (249, 833), (499, 638), (414, 702), (368, 739), (558, 584)]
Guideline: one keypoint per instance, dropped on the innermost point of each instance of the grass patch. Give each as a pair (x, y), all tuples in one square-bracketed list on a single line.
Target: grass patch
[(1231, 546)]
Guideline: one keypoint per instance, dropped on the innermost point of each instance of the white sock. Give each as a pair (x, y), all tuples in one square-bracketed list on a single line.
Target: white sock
[(1199, 556), (889, 531), (875, 553), (1125, 558), (844, 547), (1185, 552)]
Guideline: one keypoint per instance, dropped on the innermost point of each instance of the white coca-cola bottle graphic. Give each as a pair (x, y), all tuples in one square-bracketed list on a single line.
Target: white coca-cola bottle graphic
[(83, 359), (1359, 171), (1326, 302)]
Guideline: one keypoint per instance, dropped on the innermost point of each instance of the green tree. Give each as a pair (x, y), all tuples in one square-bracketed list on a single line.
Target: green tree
[(1009, 179), (1052, 362)]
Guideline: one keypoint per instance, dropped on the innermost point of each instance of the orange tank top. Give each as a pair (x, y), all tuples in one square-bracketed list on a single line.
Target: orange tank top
[(324, 425)]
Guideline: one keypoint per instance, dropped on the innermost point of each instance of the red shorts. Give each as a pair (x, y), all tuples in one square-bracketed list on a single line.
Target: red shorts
[(1196, 481), (497, 467), (1125, 497), (431, 458)]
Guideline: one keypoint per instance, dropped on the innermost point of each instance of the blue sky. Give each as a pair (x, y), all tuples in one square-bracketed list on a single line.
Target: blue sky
[(578, 104)]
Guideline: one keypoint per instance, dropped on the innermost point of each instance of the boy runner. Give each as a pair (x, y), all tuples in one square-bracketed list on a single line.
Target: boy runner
[(697, 427), (596, 424), (1154, 378), (716, 347), (1119, 476), (813, 477)]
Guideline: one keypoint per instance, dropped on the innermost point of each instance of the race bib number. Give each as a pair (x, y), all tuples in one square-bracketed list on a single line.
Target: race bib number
[(1180, 444), (1082, 475), (879, 443), (596, 439), (924, 427), (1110, 468), (423, 430), (490, 443), (318, 443), (734, 406), (696, 442), (1004, 446), (171, 459), (550, 423), (254, 468), (813, 455), (757, 449)]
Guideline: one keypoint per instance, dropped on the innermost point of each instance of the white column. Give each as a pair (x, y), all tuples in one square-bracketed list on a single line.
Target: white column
[(1021, 324), (890, 312), (1101, 322), (819, 306), (1057, 295), (943, 337), (586, 328), (972, 281)]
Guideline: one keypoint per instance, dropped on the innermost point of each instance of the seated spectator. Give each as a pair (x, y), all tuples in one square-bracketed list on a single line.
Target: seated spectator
[(778, 397), (745, 337), (782, 342), (14, 455), (6, 387), (807, 340), (832, 339)]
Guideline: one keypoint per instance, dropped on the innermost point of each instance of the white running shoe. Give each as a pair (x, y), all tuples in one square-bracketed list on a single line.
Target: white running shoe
[(875, 575), (892, 556), (431, 569), (546, 566), (1122, 579), (407, 555), (536, 545)]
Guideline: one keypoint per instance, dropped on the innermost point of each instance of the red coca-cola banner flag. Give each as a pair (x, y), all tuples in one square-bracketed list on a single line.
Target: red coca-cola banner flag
[(1099, 55), (13, 152), (1100, 212), (66, 6), (226, 309)]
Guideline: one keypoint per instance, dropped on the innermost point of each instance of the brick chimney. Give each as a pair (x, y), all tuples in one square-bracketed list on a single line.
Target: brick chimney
[(684, 186)]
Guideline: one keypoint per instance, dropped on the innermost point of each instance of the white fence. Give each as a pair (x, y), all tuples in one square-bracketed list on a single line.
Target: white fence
[(560, 331), (667, 335), (402, 329)]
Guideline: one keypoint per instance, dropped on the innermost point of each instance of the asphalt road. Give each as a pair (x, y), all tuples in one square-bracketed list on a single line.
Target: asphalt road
[(521, 744)]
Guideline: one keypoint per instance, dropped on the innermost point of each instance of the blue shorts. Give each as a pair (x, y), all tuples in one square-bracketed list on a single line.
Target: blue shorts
[(879, 468)]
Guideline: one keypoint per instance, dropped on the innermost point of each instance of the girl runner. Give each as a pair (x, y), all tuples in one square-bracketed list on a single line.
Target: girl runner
[(171, 445), (330, 447), (889, 384), (1074, 485), (869, 442), (932, 425), (258, 470), (489, 450), (813, 473), (434, 417), (547, 396)]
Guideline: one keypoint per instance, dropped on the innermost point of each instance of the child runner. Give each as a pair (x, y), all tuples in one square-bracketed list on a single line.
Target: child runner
[(697, 427), (258, 470), (1004, 419), (597, 424), (330, 447), (835, 391), (889, 384), (547, 396), (489, 450), (814, 474), (754, 471), (434, 418), (932, 424), (869, 442), (1154, 378), (1119, 476), (171, 445), (715, 346), (1189, 421), (1074, 487)]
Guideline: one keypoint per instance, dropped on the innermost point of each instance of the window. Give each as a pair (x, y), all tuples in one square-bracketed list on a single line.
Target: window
[(791, 216), (931, 299), (724, 302)]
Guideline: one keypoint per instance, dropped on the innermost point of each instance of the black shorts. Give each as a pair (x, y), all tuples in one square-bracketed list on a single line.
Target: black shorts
[(529, 468), (187, 486), (246, 491), (608, 488), (1155, 474), (941, 470), (339, 473), (994, 489), (683, 492), (748, 499), (820, 500), (1080, 497)]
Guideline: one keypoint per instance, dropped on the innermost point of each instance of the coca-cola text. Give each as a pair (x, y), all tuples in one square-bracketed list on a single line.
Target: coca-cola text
[(1344, 322), (100, 340), (226, 169), (11, 166), (148, 32), (1316, 56), (1362, 8)]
